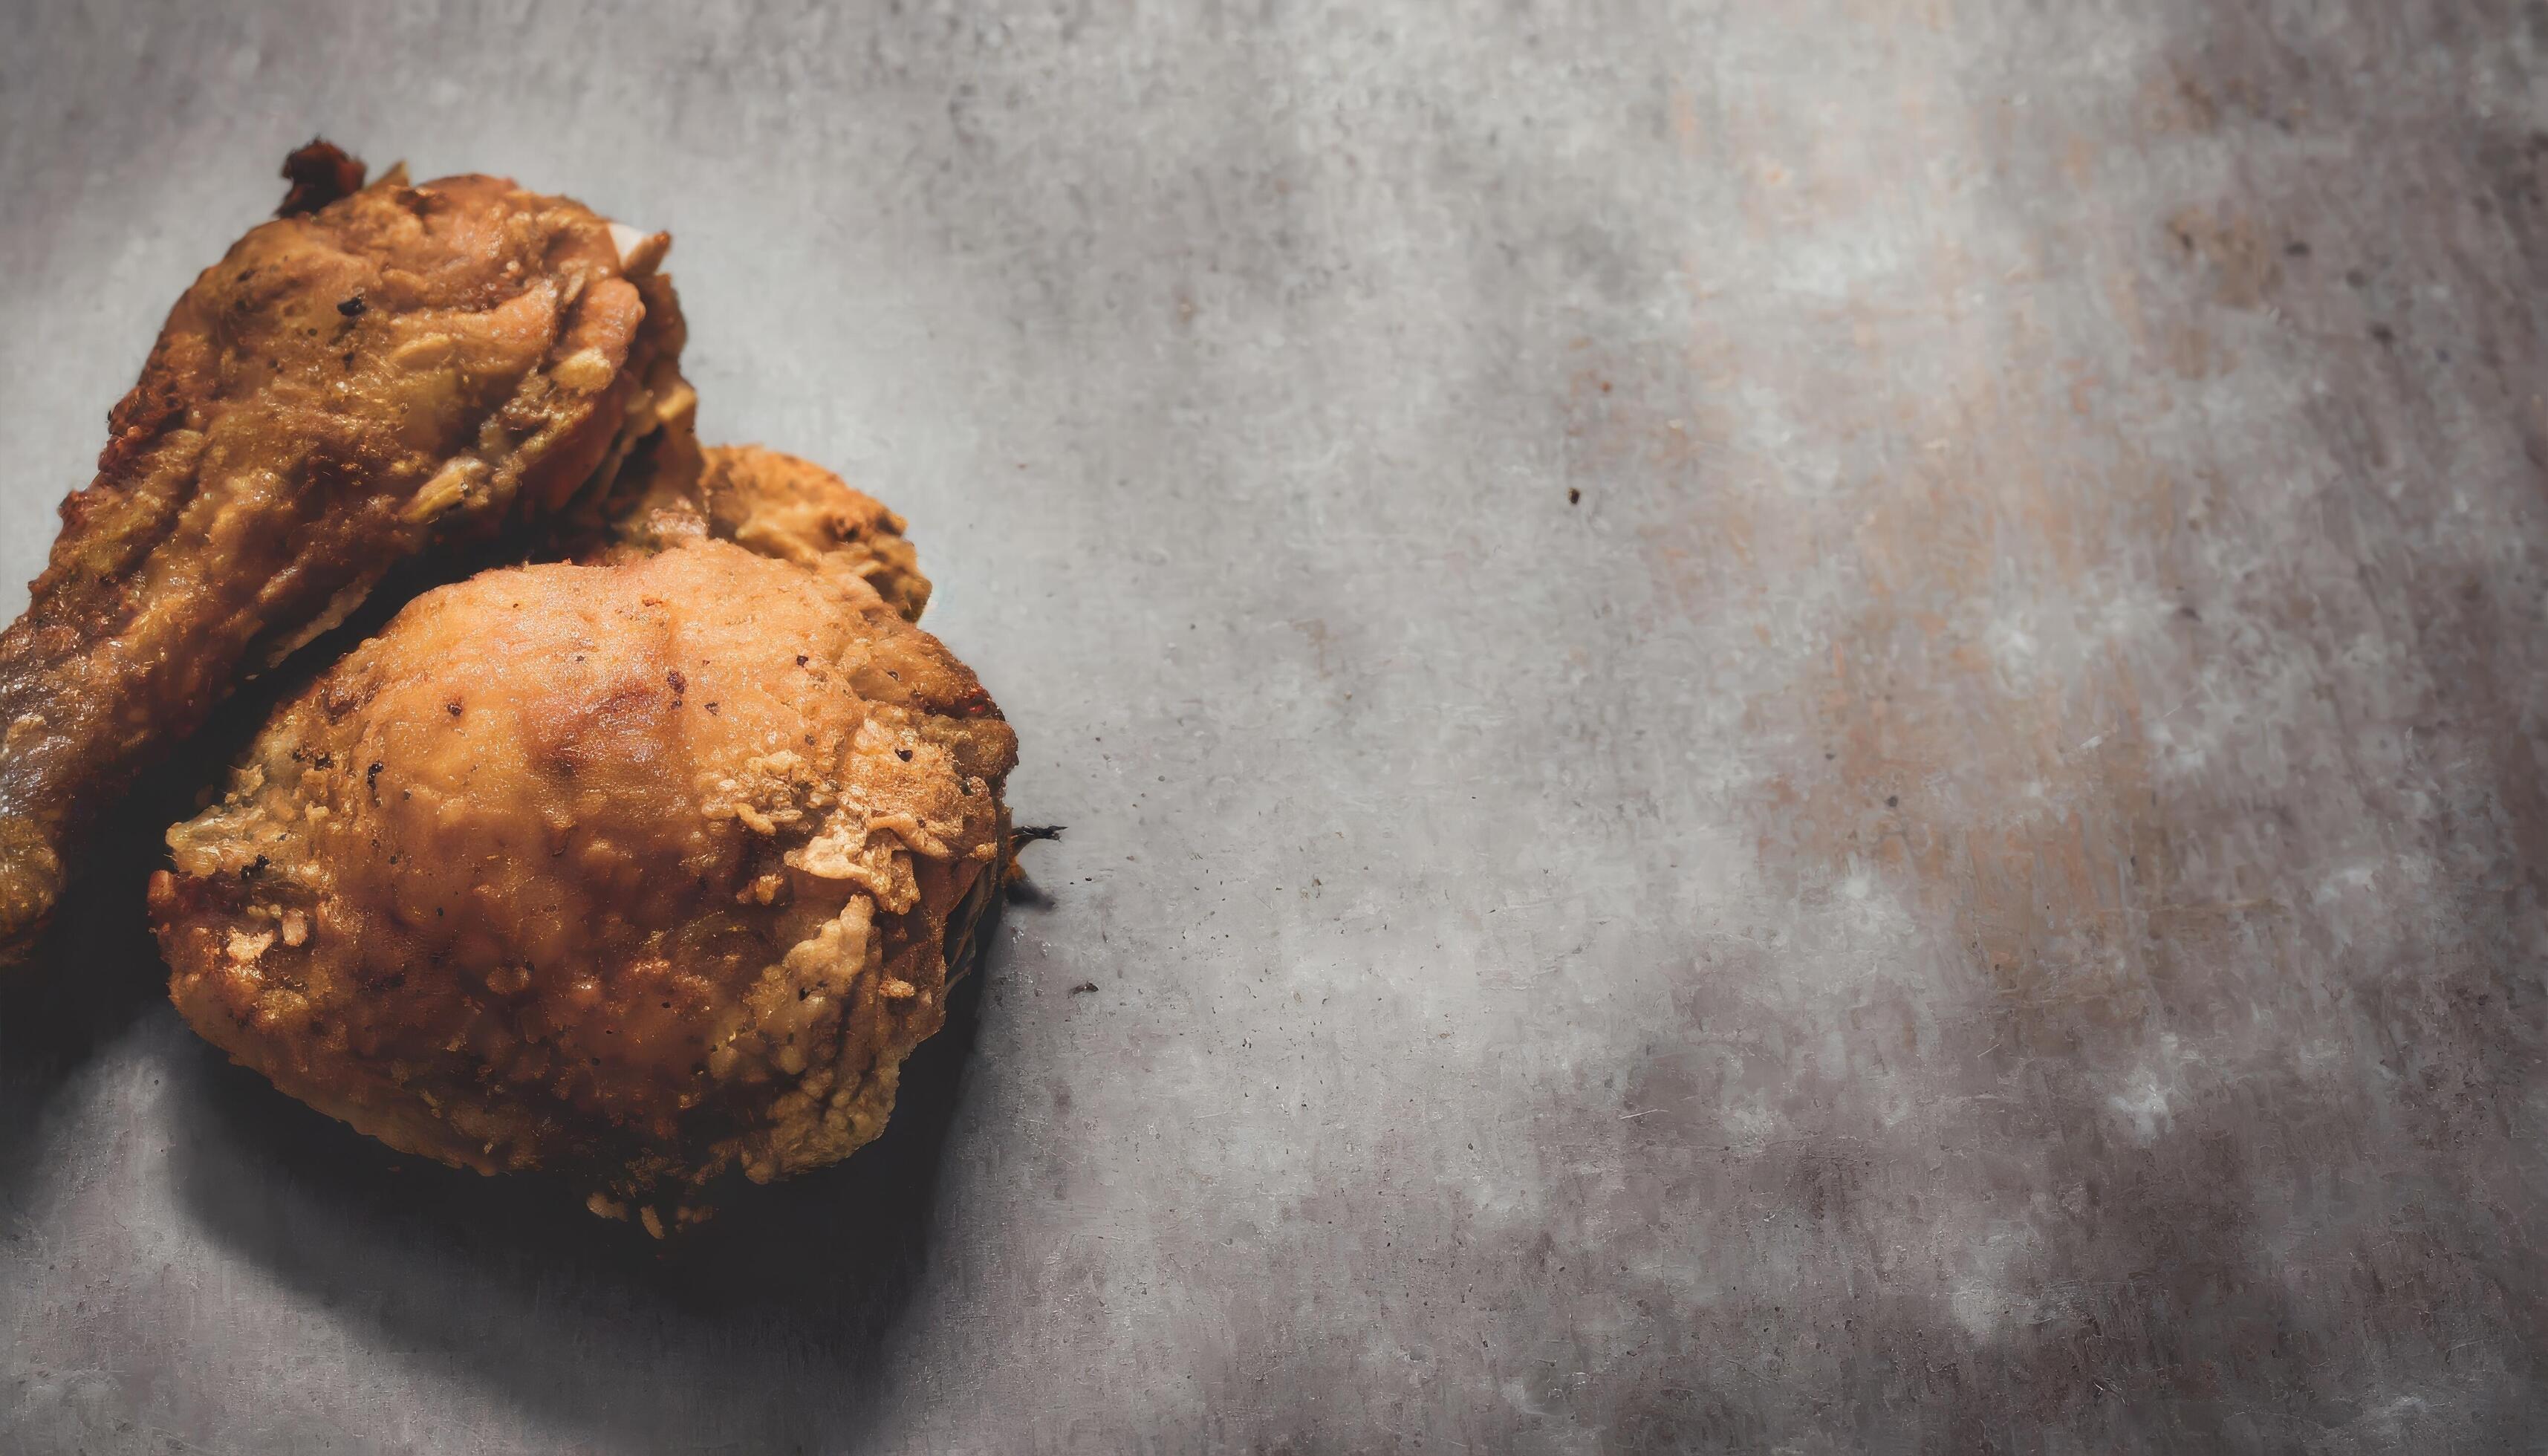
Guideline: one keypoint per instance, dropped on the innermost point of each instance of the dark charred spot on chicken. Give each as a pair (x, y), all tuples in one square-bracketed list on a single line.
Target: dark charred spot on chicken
[(319, 173)]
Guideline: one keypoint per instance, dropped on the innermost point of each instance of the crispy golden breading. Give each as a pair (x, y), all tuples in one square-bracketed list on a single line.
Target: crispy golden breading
[(776, 504), (639, 869), (403, 368)]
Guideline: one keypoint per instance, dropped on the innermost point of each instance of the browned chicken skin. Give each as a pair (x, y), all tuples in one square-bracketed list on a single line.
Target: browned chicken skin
[(371, 377), (775, 504), (640, 870)]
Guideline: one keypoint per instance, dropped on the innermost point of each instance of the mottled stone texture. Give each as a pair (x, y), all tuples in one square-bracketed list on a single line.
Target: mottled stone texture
[(1809, 724)]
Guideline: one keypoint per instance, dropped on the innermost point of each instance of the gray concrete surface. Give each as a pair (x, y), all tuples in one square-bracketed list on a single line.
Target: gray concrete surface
[(1810, 726)]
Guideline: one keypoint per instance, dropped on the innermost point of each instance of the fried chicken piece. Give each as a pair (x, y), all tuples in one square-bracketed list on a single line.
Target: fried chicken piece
[(642, 869), (370, 378), (776, 504)]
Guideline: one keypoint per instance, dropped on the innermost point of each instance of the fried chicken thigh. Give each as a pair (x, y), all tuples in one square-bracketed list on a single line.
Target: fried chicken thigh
[(382, 374), (639, 868)]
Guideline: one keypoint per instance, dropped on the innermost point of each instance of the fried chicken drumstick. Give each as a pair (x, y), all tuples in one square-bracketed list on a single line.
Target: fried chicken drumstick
[(639, 868), (381, 373)]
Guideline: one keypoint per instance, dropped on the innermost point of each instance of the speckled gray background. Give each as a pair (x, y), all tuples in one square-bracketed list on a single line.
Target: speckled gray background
[(1810, 724)]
